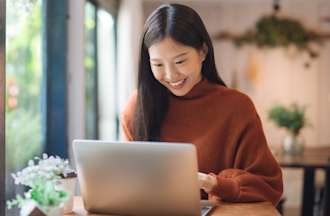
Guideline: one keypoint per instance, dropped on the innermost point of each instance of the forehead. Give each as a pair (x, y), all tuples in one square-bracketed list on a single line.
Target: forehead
[(167, 48)]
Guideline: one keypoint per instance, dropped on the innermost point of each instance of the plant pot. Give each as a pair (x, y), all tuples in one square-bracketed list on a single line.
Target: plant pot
[(68, 184), (293, 144), (59, 211), (30, 209)]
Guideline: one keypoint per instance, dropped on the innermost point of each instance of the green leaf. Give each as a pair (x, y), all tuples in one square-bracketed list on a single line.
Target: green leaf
[(292, 118)]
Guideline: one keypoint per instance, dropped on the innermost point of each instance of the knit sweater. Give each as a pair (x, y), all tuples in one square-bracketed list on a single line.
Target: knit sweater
[(225, 128)]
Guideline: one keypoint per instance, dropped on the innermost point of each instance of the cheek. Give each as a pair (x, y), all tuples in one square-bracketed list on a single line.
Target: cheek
[(158, 74), (192, 69), (198, 67)]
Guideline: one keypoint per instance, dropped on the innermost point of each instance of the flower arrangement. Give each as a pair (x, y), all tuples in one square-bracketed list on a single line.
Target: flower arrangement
[(42, 176), (43, 194), (44, 169)]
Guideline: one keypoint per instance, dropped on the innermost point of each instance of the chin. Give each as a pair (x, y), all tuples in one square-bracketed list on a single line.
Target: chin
[(180, 93)]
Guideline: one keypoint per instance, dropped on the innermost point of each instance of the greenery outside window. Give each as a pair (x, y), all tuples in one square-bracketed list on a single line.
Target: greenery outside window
[(23, 86), (91, 108)]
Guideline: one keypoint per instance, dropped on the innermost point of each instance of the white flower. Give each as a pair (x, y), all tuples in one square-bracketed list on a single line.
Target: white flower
[(45, 169), (31, 163)]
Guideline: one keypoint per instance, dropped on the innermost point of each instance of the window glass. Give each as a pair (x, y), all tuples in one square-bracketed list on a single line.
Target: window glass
[(90, 72), (23, 86)]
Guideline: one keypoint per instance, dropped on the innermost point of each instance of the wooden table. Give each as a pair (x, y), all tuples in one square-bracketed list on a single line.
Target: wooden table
[(223, 209), (312, 159)]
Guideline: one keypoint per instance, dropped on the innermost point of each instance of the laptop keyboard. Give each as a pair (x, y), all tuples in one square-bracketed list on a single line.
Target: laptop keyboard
[(205, 210)]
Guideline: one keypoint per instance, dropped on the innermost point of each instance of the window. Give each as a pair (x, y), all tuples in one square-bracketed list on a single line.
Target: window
[(35, 83), (2, 109), (91, 110), (108, 124), (101, 113), (23, 86)]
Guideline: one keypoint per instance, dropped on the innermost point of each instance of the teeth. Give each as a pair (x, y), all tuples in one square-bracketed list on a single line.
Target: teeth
[(176, 83)]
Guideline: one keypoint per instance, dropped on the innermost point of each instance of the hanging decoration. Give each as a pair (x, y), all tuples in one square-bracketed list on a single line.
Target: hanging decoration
[(274, 31)]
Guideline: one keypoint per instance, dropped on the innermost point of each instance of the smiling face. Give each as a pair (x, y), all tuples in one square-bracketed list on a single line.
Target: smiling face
[(176, 66)]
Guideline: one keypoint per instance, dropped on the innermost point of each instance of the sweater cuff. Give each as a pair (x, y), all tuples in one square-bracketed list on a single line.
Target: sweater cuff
[(227, 188)]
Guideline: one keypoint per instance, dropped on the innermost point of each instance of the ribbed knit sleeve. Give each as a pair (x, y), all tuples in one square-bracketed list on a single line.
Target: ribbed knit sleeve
[(255, 176), (128, 116)]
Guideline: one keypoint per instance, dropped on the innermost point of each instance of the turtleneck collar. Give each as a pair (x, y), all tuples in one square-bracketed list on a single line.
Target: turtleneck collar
[(200, 89)]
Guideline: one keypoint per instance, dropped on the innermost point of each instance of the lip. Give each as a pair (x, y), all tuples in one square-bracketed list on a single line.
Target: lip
[(178, 86)]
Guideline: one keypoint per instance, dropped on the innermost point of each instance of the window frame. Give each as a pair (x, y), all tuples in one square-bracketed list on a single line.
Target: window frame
[(55, 14), (2, 104)]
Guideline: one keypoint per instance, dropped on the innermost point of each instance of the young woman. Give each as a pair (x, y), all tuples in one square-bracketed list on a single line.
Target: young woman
[(181, 98)]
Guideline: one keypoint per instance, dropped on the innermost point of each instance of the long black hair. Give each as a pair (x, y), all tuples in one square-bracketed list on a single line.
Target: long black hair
[(185, 26)]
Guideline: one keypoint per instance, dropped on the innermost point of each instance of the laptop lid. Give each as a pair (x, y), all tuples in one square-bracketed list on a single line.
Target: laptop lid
[(138, 178)]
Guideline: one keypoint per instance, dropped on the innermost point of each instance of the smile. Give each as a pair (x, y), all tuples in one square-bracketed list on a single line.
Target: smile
[(177, 84)]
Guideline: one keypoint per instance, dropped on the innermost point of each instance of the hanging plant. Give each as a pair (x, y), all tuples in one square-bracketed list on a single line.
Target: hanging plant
[(273, 31)]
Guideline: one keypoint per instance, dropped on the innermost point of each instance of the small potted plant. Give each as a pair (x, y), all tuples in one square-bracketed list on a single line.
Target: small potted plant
[(49, 169), (43, 198), (293, 119)]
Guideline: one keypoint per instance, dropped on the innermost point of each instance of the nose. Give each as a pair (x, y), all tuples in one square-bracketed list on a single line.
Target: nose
[(171, 74)]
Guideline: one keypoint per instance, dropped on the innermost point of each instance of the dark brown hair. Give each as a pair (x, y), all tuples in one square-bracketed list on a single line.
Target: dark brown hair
[(185, 26)]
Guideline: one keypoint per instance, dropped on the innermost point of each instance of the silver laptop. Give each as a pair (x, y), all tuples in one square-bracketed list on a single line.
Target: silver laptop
[(138, 178)]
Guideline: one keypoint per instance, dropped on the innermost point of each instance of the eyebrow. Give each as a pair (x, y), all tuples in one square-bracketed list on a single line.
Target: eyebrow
[(177, 56)]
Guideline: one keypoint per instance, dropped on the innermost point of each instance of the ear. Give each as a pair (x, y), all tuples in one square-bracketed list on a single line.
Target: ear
[(203, 51)]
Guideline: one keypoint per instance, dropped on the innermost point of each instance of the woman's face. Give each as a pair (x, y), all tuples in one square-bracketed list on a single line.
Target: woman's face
[(176, 66)]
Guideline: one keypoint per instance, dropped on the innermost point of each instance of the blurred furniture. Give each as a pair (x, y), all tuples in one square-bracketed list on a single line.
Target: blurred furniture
[(223, 209), (312, 159)]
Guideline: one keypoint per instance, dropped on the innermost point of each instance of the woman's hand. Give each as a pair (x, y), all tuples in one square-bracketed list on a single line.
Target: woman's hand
[(207, 182)]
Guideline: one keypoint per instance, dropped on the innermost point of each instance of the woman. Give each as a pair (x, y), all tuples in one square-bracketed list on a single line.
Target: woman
[(181, 98)]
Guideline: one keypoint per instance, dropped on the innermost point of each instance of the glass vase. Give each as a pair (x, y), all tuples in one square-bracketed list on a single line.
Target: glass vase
[(293, 144)]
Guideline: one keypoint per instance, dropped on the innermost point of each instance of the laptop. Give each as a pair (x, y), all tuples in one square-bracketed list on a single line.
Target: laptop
[(139, 178)]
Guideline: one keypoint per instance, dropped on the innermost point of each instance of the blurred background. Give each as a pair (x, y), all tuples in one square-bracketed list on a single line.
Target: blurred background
[(72, 64)]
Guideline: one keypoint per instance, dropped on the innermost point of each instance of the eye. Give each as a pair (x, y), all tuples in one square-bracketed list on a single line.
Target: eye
[(157, 65), (180, 62)]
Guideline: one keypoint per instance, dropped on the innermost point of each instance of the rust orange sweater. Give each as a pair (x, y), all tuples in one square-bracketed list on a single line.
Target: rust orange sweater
[(225, 128)]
